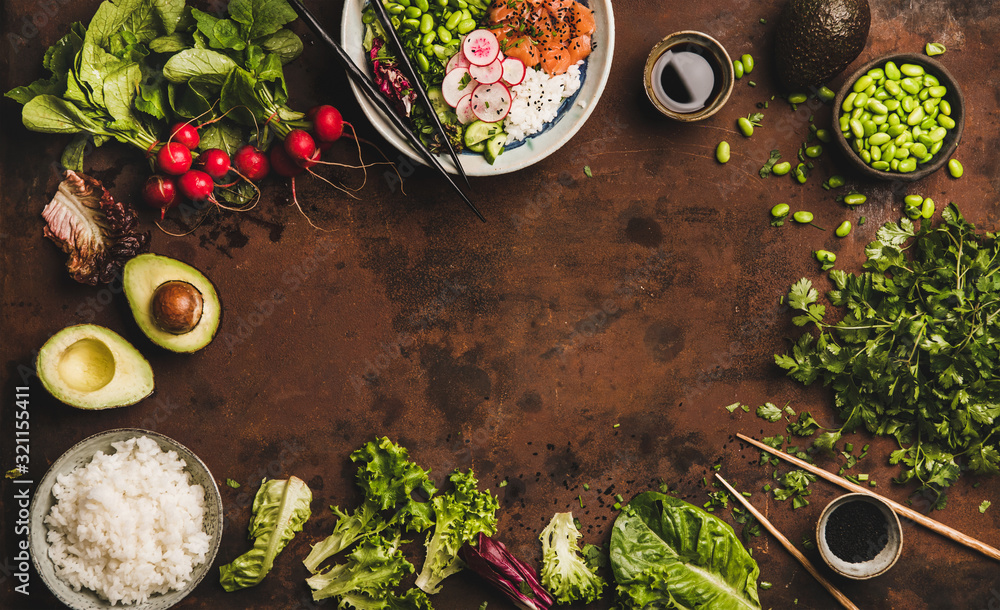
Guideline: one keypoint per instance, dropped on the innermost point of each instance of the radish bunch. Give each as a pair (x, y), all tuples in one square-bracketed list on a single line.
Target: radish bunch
[(478, 79)]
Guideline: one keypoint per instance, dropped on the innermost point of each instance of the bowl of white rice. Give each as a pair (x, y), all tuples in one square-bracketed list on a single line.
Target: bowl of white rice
[(126, 518)]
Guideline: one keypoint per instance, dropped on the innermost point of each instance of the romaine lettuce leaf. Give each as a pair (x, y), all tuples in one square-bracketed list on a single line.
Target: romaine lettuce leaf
[(668, 553)]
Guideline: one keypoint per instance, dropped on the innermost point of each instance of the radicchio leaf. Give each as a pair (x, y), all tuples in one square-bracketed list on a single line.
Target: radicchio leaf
[(390, 80), (97, 232), (514, 578)]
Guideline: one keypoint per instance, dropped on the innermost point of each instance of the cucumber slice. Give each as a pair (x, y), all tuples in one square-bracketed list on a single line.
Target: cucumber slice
[(478, 147), (480, 131), (494, 146), (436, 97)]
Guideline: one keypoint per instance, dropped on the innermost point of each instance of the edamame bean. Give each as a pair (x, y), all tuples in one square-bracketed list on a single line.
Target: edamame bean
[(426, 24), (392, 8), (927, 209), (423, 64), (844, 229), (907, 165), (443, 34), (937, 147), (916, 116), (746, 127), (847, 104), (780, 169), (912, 69), (412, 12), (857, 129), (955, 168), (892, 72), (931, 81), (423, 5), (826, 94), (800, 173), (946, 121), (802, 217), (413, 24), (836, 181), (824, 136), (722, 152), (879, 139), (452, 21), (798, 98), (881, 166), (862, 83), (866, 156), (814, 151), (918, 150), (466, 25), (877, 107), (861, 100), (747, 60), (738, 68), (826, 257), (937, 91), (429, 39), (945, 107), (780, 210), (913, 200), (855, 199), (934, 48)]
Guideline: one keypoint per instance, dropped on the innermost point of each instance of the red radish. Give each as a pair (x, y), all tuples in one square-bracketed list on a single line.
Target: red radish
[(513, 71), (322, 146), (487, 74), (283, 164), (464, 110), (458, 60), (299, 145), (186, 134), (215, 162), (481, 47), (196, 185), (160, 192), (252, 163), (456, 84), (313, 160), (491, 103), (328, 125), (174, 159)]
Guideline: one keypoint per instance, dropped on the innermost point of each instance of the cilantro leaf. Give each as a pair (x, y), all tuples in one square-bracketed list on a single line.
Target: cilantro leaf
[(769, 411)]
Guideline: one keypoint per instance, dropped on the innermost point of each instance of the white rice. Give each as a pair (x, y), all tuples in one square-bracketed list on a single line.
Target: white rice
[(129, 524), (537, 101)]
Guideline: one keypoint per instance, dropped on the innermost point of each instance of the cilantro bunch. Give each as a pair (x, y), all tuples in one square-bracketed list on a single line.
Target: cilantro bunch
[(916, 354)]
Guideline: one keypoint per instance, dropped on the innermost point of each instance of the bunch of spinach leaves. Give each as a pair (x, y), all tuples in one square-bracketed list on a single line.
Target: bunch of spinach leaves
[(141, 65), (916, 355)]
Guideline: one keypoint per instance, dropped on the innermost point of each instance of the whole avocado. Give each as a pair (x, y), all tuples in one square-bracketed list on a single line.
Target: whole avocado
[(817, 39)]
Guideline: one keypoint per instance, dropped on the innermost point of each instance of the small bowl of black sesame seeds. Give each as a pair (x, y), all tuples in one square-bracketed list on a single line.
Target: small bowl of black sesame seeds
[(859, 536)]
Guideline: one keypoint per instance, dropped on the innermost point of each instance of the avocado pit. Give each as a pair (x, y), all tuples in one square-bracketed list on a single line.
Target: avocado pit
[(176, 307)]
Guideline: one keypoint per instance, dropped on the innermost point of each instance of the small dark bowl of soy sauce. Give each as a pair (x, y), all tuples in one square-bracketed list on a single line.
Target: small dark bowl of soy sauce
[(859, 536), (688, 76)]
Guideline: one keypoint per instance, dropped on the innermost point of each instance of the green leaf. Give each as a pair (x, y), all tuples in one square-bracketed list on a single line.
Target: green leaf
[(50, 114), (827, 441), (170, 13), (802, 294), (769, 411), (985, 504), (220, 33), (239, 97), (223, 135), (72, 156), (170, 44), (668, 553), (280, 509), (211, 66), (284, 43), (261, 18), (152, 100), (120, 89)]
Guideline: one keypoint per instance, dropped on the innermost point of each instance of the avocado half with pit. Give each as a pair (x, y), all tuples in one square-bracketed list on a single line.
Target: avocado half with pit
[(91, 367), (174, 304)]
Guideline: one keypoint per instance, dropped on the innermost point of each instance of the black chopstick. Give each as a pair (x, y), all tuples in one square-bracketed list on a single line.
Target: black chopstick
[(376, 98), (415, 81)]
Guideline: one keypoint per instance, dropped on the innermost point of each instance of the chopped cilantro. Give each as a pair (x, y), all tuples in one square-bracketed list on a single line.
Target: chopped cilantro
[(232, 483), (586, 170), (766, 170), (985, 504)]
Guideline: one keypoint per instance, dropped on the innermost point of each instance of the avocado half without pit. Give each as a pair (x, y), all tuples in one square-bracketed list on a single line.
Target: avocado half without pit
[(91, 367), (174, 304)]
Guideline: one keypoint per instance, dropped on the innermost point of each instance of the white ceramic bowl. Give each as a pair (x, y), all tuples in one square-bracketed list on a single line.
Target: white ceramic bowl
[(886, 557), (81, 454), (535, 149)]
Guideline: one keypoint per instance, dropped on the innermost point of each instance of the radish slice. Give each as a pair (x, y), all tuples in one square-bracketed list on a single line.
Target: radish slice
[(491, 103), (513, 71), (488, 74), (464, 110), (481, 47), (456, 84), (457, 60)]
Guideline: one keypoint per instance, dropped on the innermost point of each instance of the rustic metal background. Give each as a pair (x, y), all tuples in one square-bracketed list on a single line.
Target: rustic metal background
[(645, 296)]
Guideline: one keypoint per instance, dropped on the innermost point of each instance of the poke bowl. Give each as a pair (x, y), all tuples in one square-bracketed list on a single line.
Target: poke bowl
[(573, 109)]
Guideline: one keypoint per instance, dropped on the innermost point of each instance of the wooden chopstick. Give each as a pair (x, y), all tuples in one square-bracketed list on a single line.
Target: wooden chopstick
[(376, 98), (834, 591), (417, 84), (909, 513)]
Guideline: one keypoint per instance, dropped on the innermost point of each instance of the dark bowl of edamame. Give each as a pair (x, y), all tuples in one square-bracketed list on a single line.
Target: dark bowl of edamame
[(899, 117)]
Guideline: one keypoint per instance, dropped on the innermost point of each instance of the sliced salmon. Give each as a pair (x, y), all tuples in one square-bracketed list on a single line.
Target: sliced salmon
[(581, 19), (501, 10), (555, 60), (578, 48), (522, 48)]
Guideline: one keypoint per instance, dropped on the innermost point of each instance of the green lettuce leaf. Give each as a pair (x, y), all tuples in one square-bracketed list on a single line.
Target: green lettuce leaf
[(280, 508), (668, 553)]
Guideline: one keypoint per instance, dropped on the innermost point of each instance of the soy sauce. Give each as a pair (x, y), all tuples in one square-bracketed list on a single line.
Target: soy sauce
[(689, 77)]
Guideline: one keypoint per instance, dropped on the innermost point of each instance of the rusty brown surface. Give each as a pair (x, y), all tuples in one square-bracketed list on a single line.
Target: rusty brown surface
[(645, 296)]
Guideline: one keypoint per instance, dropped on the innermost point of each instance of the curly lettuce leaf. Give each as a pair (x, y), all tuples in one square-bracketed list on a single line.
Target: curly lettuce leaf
[(668, 553), (389, 479), (564, 571), (363, 521), (99, 233), (373, 569), (280, 508), (460, 516)]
